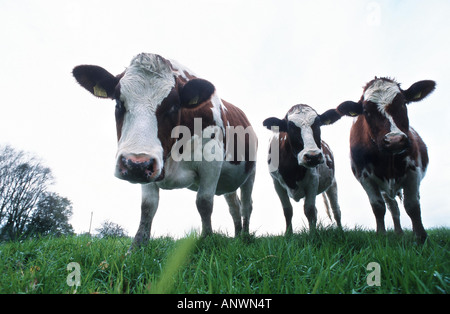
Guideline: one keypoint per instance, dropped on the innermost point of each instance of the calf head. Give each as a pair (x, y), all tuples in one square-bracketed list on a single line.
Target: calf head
[(149, 95), (383, 106), (302, 125)]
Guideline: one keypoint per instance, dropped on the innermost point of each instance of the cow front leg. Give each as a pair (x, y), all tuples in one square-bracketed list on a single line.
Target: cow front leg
[(311, 213), (286, 204), (234, 205), (149, 205), (377, 203), (333, 198), (205, 207), (412, 207), (395, 212), (247, 202), (208, 173), (310, 203)]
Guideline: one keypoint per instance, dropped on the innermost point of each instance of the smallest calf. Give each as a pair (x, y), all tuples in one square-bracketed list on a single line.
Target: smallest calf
[(301, 164)]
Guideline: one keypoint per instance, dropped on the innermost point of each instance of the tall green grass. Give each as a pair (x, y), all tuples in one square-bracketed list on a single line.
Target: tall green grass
[(328, 261)]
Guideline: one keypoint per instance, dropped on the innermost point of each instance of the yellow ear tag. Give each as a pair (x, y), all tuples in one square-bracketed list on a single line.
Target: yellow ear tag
[(193, 101), (353, 114), (100, 92)]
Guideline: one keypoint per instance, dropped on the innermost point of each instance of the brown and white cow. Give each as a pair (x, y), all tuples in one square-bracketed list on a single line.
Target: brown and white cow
[(301, 164), (172, 132), (387, 155)]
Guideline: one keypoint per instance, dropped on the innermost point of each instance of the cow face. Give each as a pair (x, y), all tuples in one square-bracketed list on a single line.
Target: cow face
[(302, 125), (383, 106), (148, 98)]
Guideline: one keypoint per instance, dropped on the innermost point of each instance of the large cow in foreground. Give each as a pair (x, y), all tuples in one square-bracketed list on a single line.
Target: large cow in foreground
[(387, 155), (300, 163), (175, 132)]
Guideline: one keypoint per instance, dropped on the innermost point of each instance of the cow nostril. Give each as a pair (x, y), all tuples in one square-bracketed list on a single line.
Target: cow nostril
[(137, 163), (312, 157), (138, 168), (149, 165), (123, 165)]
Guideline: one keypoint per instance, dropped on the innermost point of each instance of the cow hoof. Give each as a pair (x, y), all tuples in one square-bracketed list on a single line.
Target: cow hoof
[(399, 232), (421, 238), (206, 234), (288, 232)]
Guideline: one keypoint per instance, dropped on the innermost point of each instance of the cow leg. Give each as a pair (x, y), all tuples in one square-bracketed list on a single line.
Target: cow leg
[(286, 203), (208, 177), (205, 206), (377, 203), (333, 198), (247, 203), (234, 205), (149, 205), (395, 212), (311, 213), (310, 202), (412, 207)]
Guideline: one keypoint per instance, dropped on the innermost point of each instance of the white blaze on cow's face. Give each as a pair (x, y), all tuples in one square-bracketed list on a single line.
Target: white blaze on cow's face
[(146, 83), (387, 115), (383, 93), (304, 134)]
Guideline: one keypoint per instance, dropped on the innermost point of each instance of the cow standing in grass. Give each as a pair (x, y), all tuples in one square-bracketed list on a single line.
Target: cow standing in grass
[(387, 155), (300, 163), (173, 132)]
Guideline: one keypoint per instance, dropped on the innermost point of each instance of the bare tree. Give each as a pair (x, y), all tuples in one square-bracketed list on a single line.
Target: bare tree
[(23, 179), (8, 158)]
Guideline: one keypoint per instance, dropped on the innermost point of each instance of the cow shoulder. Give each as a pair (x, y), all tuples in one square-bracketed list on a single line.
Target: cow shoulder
[(328, 155), (418, 151)]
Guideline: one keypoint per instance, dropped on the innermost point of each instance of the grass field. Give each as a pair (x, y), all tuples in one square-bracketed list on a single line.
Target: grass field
[(329, 261)]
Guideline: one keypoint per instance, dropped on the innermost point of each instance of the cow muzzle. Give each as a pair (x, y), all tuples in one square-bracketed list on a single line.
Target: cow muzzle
[(310, 159), (395, 143), (137, 168)]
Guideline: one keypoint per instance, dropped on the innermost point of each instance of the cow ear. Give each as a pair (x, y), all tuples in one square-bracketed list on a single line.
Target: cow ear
[(350, 108), (275, 122), (196, 92), (419, 90), (96, 80), (329, 117)]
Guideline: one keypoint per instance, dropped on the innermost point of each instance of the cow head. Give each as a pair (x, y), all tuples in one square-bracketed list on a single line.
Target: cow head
[(302, 124), (149, 95), (383, 106)]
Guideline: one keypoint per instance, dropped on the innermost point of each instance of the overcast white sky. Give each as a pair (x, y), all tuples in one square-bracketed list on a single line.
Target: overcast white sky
[(263, 56)]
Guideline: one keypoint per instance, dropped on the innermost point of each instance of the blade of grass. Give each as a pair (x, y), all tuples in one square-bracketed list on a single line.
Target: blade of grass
[(175, 261)]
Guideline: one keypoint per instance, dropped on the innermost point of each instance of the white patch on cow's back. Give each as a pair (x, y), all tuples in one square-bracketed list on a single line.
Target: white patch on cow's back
[(217, 107), (329, 156), (181, 70)]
